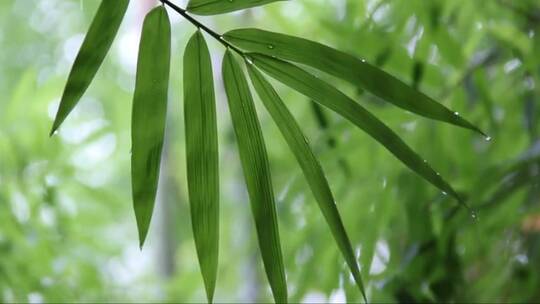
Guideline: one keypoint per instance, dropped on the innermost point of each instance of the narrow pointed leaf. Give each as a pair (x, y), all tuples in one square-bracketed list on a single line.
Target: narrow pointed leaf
[(214, 7), (94, 48), (202, 156), (347, 67), (256, 173), (310, 166), (149, 113), (330, 97)]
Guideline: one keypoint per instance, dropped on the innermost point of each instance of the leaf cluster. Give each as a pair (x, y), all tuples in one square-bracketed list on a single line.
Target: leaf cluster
[(277, 55)]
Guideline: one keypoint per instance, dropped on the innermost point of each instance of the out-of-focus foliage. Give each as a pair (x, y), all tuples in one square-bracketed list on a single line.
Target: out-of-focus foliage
[(67, 231)]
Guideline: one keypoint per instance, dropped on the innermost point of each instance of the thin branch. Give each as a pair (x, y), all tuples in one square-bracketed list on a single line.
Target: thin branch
[(199, 25)]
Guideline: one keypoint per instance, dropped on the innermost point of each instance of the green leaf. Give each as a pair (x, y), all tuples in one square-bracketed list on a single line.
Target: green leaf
[(330, 97), (149, 114), (256, 173), (310, 166), (202, 156), (346, 67), (214, 7), (95, 46)]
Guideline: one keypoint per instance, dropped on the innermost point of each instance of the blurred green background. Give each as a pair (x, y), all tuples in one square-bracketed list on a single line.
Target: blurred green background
[(67, 229)]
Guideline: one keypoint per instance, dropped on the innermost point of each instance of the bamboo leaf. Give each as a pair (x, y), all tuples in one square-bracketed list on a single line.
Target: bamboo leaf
[(346, 67), (330, 97), (94, 48), (214, 7), (202, 156), (149, 114), (256, 173), (310, 166)]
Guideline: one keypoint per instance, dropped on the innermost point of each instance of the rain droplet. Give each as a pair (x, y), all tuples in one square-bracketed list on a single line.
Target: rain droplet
[(271, 47), (444, 193), (363, 60), (488, 138), (474, 216), (230, 1), (249, 60), (456, 113)]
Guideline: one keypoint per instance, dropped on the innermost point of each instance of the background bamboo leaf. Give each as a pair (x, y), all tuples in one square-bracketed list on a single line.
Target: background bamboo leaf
[(346, 67), (256, 173), (330, 97), (214, 7), (310, 166), (149, 114), (202, 156), (95, 47)]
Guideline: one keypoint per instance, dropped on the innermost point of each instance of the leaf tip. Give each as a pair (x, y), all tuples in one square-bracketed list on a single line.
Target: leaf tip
[(142, 238), (463, 202), (58, 120), (53, 131), (484, 134), (210, 293), (142, 228)]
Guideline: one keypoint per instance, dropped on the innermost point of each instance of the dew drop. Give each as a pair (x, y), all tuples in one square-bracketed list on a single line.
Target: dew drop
[(270, 47), (363, 60), (249, 60), (444, 193), (488, 138), (456, 113), (474, 216), (230, 1)]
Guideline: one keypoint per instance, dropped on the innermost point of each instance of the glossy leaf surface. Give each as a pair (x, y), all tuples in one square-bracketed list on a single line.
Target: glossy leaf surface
[(94, 48), (330, 97), (256, 173), (310, 166), (149, 114), (346, 67), (214, 7), (202, 156)]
